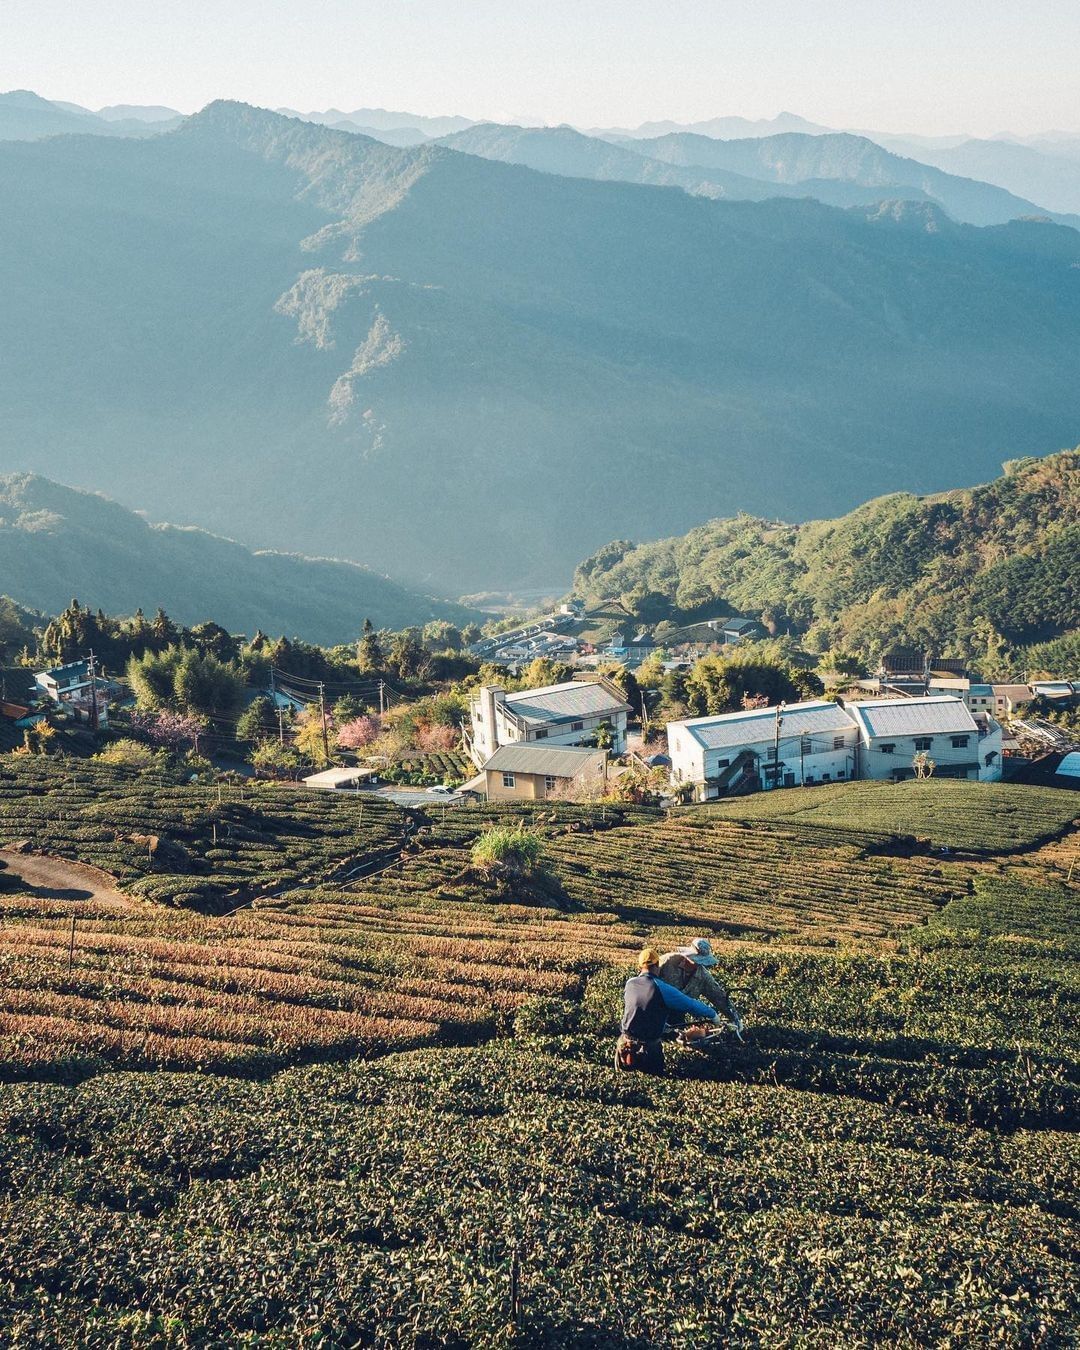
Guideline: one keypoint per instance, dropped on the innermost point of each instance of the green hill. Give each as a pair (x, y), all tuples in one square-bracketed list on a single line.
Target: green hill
[(966, 573), (56, 542), (468, 374)]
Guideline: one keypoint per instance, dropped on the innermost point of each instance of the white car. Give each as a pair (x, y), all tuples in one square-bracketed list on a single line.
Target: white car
[(443, 790)]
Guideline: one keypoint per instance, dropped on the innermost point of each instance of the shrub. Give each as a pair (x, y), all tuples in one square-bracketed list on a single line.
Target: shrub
[(508, 849), (131, 754)]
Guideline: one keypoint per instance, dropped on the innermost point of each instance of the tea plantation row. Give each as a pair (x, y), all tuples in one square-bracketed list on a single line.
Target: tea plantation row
[(501, 1196)]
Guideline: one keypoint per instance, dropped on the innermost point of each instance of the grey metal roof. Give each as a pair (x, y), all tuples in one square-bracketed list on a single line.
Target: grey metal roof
[(564, 702), (556, 761), (759, 724), (913, 716)]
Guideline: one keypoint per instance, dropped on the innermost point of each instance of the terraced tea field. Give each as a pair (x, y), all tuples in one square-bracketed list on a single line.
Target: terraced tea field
[(405, 1130), (330, 926), (983, 818)]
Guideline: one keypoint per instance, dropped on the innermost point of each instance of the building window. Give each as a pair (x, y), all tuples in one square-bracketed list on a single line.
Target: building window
[(923, 742), (841, 773), (806, 746), (838, 742), (508, 780), (959, 742), (723, 763), (887, 748), (541, 736), (550, 782), (577, 726)]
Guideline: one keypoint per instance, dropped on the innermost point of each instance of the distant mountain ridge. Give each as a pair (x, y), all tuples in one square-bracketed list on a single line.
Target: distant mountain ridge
[(56, 542), (458, 369), (966, 573), (25, 116), (840, 170)]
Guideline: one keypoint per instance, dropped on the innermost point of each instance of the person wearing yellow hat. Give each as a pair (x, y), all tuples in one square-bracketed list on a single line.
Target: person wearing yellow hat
[(647, 1000)]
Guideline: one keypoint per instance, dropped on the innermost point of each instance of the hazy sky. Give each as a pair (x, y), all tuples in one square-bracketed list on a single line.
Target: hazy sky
[(931, 66)]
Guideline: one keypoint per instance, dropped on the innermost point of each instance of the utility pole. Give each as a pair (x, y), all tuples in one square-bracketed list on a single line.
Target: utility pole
[(776, 745), (322, 715), (93, 693), (382, 697), (281, 726)]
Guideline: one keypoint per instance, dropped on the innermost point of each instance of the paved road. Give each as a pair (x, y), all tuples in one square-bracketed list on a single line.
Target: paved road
[(417, 797)]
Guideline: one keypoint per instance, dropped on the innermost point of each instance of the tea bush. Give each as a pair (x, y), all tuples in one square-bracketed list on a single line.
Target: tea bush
[(488, 1198)]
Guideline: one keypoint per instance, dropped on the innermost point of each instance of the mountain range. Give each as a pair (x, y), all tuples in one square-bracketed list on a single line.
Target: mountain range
[(25, 116), (467, 373), (56, 542), (838, 169)]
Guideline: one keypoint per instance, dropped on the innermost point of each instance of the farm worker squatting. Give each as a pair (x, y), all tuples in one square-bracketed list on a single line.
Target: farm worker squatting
[(687, 968), (647, 1000)]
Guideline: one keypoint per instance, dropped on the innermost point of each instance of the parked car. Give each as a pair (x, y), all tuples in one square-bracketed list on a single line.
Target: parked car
[(443, 790)]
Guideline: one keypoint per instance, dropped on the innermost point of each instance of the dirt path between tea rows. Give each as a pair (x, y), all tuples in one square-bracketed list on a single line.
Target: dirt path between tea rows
[(60, 879)]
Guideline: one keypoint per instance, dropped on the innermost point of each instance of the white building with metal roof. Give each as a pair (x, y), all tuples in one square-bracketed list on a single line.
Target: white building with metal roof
[(789, 746), (893, 731), (558, 714)]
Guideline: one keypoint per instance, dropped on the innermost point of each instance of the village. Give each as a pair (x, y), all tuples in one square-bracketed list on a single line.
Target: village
[(597, 731)]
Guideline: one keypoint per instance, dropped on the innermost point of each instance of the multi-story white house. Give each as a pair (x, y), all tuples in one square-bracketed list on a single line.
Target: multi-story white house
[(558, 714), (823, 742), (814, 742), (893, 731)]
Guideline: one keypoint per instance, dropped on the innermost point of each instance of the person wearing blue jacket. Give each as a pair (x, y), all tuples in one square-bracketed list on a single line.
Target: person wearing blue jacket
[(647, 1000)]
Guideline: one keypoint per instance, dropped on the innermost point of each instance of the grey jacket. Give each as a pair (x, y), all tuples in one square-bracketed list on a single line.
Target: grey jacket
[(698, 983)]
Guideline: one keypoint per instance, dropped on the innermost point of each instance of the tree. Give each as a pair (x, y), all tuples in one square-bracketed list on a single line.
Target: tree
[(440, 636), (152, 677), (718, 684), (205, 686), (274, 760), (358, 733), (408, 656), (314, 736), (471, 633), (434, 738), (163, 630), (258, 721), (923, 765), (217, 641), (173, 730), (347, 708), (540, 672), (369, 655)]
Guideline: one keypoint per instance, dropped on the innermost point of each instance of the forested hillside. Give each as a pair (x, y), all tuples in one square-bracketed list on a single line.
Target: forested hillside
[(972, 572), (296, 335), (56, 542)]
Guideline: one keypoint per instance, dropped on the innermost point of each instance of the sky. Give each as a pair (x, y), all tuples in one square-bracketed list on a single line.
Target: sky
[(933, 67)]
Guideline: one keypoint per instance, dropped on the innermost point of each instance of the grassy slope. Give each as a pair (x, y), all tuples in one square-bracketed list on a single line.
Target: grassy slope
[(887, 1160)]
